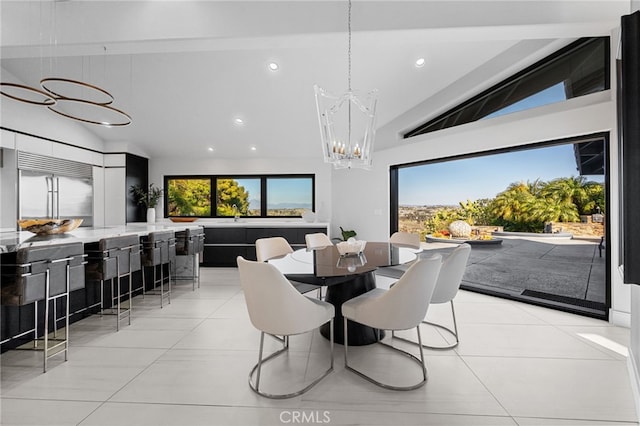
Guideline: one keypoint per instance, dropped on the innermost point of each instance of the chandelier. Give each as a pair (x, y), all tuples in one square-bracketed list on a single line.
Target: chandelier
[(347, 122), (69, 98)]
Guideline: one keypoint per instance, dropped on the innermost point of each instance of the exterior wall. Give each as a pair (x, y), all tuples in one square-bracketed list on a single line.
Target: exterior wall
[(586, 229)]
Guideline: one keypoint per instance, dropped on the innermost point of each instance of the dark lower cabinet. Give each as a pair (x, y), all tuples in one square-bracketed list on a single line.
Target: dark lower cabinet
[(223, 255), (223, 245)]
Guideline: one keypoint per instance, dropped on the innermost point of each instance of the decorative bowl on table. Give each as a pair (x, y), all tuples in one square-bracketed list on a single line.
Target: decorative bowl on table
[(351, 247), (351, 263), (183, 219), (49, 226)]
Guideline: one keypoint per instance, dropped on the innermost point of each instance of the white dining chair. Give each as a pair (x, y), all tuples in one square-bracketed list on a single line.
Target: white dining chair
[(403, 239), (449, 280), (406, 239), (278, 247), (272, 248), (317, 240), (402, 307), (279, 309)]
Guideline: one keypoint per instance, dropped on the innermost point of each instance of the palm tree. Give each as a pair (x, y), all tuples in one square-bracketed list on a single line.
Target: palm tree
[(595, 195), (552, 209), (569, 190), (511, 204)]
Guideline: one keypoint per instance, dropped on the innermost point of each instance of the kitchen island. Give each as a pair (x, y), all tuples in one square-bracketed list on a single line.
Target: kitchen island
[(10, 241), (18, 319), (225, 239)]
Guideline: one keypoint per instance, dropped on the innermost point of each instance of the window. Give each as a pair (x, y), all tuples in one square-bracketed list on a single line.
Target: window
[(237, 196), (246, 196), (579, 69), (556, 186), (188, 196), (289, 196)]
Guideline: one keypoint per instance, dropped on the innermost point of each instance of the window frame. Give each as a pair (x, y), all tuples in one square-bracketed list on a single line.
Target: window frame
[(451, 118), (263, 192), (606, 138)]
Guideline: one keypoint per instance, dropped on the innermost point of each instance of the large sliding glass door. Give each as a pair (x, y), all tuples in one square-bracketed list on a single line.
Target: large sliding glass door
[(538, 216)]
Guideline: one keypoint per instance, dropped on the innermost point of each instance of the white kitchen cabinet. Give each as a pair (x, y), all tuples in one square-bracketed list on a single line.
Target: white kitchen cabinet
[(115, 196), (7, 139), (34, 145), (73, 153)]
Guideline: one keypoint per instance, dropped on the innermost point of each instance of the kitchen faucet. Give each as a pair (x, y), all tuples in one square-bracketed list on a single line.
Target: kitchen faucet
[(236, 214)]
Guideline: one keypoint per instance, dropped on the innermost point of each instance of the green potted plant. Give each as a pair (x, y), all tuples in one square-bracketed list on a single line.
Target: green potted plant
[(148, 198), (346, 234)]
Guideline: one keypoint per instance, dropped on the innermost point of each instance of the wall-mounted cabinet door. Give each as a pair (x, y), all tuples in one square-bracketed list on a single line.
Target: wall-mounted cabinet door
[(115, 196)]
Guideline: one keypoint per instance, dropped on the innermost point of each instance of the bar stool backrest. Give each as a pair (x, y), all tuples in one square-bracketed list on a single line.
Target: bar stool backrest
[(106, 255), (190, 241), (158, 248), (24, 281)]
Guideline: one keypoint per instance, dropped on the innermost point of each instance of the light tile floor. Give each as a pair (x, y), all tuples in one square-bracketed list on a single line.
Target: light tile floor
[(187, 364)]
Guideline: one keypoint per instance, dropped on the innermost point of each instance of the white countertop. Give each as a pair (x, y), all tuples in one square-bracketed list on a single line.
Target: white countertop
[(11, 241), (259, 223)]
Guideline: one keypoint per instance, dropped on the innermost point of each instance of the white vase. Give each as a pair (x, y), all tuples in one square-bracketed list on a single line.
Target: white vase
[(151, 215)]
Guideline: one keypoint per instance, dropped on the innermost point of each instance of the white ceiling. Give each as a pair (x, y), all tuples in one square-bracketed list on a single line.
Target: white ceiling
[(185, 69)]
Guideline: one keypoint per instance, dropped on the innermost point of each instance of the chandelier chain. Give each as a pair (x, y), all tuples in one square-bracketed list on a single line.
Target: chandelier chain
[(349, 48)]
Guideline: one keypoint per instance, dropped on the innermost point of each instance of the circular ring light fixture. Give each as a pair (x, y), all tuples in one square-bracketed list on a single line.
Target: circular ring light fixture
[(6, 88), (58, 86), (102, 115)]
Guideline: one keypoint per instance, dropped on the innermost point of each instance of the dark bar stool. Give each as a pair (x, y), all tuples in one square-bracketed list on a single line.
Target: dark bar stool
[(46, 273), (190, 242), (158, 252), (112, 259)]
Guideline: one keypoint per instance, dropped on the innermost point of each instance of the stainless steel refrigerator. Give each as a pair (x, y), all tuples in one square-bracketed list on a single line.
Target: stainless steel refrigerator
[(54, 188)]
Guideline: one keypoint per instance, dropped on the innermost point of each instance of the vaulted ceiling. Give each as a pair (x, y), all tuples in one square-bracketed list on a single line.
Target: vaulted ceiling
[(184, 70)]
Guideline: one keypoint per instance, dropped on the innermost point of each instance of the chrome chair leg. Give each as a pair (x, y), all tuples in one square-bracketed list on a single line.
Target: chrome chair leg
[(257, 369), (453, 333), (412, 357)]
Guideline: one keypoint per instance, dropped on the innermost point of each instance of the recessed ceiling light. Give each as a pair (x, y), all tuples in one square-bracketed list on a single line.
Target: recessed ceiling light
[(273, 66), (253, 148), (420, 62), (210, 149), (239, 121)]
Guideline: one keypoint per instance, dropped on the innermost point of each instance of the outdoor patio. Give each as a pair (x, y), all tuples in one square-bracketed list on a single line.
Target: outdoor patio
[(559, 272)]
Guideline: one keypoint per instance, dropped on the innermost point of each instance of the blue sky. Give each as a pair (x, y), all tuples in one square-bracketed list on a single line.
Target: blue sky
[(291, 191), (448, 183), (548, 96)]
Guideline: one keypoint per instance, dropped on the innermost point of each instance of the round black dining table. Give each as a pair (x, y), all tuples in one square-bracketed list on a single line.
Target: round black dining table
[(345, 278)]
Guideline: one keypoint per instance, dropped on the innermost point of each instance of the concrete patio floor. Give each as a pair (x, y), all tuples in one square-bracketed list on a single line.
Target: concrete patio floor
[(552, 271)]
